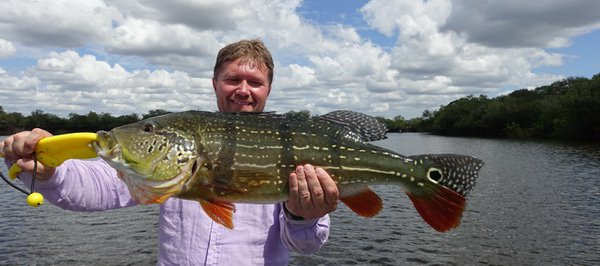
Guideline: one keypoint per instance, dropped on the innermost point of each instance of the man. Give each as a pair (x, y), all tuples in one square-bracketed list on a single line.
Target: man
[(263, 234)]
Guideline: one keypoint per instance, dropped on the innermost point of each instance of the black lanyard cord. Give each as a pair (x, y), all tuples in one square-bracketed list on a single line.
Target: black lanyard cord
[(32, 180)]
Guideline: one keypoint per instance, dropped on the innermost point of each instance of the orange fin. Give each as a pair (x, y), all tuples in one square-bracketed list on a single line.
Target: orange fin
[(364, 203), (442, 209), (220, 212), (162, 198)]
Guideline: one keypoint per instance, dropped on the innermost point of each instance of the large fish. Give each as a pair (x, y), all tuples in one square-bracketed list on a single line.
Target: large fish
[(222, 158)]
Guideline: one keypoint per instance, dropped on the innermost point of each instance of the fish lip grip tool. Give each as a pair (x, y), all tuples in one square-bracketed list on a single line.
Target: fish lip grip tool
[(53, 151)]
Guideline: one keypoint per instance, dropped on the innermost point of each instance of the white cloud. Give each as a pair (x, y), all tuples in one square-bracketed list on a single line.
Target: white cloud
[(7, 49), (60, 23), (132, 56), (433, 61), (67, 82)]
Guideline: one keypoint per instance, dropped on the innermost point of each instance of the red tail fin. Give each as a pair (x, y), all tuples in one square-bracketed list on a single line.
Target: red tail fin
[(442, 209)]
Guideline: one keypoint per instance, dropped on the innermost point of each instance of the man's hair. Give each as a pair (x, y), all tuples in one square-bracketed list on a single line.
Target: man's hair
[(251, 52)]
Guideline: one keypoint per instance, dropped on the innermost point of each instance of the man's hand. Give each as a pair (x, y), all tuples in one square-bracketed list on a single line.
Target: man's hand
[(313, 193), (19, 149)]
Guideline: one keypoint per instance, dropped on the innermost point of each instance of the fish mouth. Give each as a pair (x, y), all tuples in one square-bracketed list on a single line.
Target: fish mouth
[(106, 146)]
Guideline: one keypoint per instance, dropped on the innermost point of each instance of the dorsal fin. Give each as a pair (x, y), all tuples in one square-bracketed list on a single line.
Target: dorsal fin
[(367, 127)]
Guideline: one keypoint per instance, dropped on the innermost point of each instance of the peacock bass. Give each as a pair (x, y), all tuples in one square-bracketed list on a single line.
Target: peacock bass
[(219, 159)]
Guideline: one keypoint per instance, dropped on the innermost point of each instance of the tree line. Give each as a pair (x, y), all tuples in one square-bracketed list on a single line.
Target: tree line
[(565, 109), (11, 123)]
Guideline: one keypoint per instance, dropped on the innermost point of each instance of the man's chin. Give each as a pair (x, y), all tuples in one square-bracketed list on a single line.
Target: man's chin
[(241, 108)]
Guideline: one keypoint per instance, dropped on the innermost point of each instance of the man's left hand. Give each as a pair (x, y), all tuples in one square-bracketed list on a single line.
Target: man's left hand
[(313, 193)]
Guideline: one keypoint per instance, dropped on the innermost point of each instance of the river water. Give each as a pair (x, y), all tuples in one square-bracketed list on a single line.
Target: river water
[(535, 203)]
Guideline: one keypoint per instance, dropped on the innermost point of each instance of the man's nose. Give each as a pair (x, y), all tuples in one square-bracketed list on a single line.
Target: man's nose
[(243, 89)]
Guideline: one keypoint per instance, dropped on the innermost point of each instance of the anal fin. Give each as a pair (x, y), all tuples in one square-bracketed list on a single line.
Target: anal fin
[(442, 209), (365, 202), (220, 212)]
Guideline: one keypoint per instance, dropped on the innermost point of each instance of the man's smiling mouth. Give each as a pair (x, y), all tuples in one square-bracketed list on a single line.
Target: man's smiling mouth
[(241, 102)]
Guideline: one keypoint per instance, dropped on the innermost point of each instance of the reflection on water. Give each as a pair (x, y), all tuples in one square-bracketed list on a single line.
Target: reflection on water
[(535, 203)]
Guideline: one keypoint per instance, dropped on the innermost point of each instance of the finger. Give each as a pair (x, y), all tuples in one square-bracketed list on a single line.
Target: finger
[(314, 186), (293, 200), (18, 145), (331, 192), (7, 149), (42, 172), (303, 193), (26, 165), (33, 138)]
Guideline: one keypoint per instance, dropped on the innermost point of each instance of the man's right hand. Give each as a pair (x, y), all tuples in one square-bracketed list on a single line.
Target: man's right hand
[(19, 149)]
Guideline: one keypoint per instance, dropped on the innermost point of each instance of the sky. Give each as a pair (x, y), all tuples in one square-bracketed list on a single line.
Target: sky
[(380, 57)]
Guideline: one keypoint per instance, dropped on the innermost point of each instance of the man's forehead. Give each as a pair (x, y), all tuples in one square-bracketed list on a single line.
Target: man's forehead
[(250, 63), (243, 66)]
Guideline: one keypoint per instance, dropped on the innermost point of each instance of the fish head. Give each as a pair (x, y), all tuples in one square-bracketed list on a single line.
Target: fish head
[(154, 157)]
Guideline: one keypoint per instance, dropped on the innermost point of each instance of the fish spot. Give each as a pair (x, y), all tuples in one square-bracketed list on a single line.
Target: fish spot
[(434, 175)]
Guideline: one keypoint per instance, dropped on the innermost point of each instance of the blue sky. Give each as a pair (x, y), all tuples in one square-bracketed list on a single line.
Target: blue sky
[(583, 57), (384, 58)]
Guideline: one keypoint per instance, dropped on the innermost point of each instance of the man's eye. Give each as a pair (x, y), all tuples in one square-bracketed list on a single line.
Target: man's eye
[(255, 83)]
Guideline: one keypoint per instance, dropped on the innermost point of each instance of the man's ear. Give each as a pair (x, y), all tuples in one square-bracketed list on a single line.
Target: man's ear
[(214, 83)]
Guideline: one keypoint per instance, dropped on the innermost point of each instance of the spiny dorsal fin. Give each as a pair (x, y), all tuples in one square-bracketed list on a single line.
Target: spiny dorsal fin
[(367, 127)]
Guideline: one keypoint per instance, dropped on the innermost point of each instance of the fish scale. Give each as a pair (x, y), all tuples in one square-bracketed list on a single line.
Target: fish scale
[(247, 157)]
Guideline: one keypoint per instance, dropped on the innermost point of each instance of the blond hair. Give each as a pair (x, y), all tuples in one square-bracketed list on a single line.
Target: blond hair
[(251, 52)]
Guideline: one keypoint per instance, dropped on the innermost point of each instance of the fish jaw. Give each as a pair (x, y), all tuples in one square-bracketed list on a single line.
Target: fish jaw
[(145, 191), (142, 189)]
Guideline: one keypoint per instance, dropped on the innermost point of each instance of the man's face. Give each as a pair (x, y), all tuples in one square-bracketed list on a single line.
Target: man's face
[(241, 88)]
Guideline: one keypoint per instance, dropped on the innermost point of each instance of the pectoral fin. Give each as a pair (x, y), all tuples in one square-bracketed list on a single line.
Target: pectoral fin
[(220, 212), (363, 202)]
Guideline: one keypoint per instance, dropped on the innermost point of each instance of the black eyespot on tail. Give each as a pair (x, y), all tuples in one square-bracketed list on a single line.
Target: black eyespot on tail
[(435, 175), (457, 172)]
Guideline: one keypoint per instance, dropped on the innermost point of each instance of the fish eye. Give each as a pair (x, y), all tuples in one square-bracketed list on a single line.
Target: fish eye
[(434, 174), (148, 127)]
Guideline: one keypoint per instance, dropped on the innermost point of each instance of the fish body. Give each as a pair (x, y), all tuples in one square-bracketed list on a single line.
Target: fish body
[(223, 158)]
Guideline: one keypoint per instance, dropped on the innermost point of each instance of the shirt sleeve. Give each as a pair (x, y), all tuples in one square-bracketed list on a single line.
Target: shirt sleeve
[(83, 185), (305, 236)]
